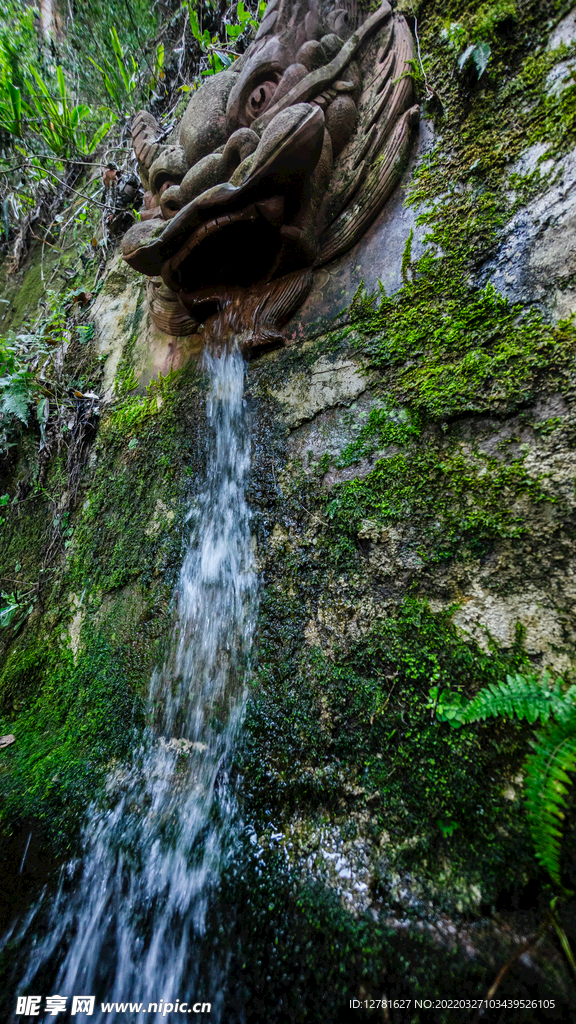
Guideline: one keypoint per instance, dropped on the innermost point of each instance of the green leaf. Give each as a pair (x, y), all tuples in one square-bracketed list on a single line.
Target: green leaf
[(113, 92), (522, 697), (61, 84), (96, 65), (16, 102), (15, 403), (42, 414), (447, 828), (99, 135), (546, 789), (41, 85), (481, 56), (120, 59), (222, 60), (8, 613), (549, 766), (116, 43), (194, 25), (479, 53)]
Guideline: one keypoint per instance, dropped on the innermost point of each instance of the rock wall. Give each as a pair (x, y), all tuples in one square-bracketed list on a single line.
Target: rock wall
[(413, 509)]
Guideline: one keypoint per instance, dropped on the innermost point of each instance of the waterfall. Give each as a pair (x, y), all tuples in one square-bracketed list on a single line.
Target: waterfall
[(126, 921)]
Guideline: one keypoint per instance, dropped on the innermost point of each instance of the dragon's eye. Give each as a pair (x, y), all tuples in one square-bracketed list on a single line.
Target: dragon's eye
[(260, 98)]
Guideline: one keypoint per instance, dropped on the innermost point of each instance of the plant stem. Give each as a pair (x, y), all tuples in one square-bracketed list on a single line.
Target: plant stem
[(523, 948)]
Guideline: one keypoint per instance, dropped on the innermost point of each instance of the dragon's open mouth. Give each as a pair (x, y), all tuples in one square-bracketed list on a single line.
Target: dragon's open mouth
[(235, 249)]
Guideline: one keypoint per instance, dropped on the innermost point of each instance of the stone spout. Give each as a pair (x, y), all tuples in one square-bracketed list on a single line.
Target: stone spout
[(278, 166)]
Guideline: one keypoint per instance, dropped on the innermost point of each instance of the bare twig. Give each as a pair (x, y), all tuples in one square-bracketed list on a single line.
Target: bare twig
[(75, 190), (429, 91), (59, 160), (44, 241), (307, 510), (523, 948)]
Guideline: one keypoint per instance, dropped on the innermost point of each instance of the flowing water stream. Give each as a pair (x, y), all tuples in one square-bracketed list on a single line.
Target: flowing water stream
[(126, 923)]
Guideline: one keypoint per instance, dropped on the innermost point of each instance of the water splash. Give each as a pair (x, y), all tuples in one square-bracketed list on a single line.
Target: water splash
[(126, 923)]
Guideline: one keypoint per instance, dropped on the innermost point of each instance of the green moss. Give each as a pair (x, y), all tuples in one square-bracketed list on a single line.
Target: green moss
[(71, 717), (23, 536), (488, 123), (450, 349), (447, 344), (117, 281), (386, 426), (323, 728), (459, 504), (24, 301), (116, 539)]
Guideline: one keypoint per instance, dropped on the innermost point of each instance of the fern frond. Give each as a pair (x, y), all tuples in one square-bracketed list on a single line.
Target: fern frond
[(553, 755), (546, 789), (522, 696)]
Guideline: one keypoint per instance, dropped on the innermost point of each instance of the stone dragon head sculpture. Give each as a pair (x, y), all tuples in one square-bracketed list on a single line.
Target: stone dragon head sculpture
[(278, 166)]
